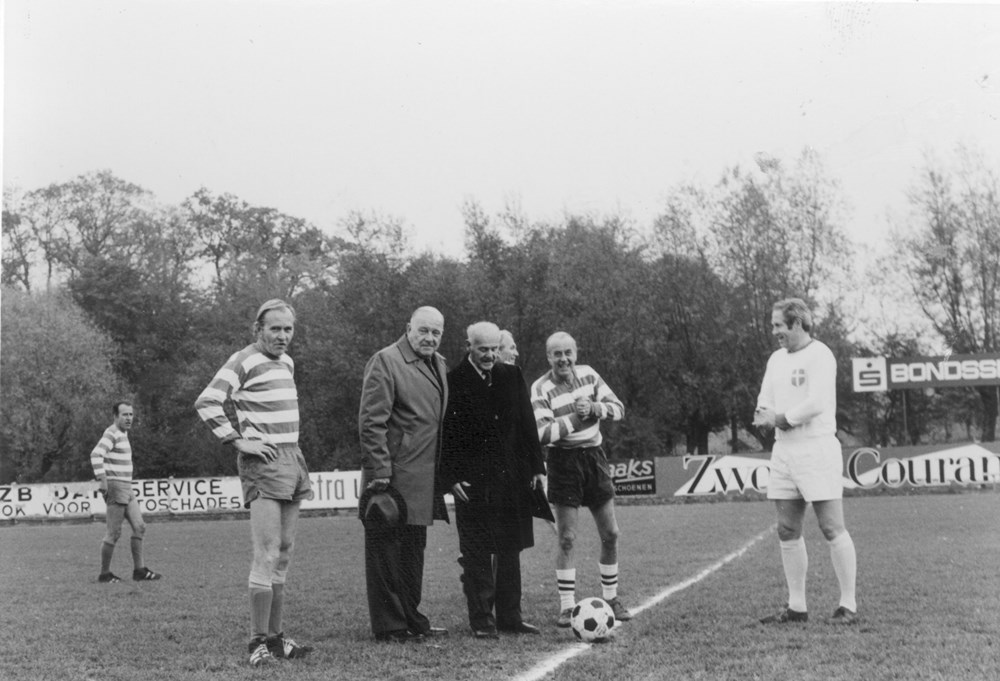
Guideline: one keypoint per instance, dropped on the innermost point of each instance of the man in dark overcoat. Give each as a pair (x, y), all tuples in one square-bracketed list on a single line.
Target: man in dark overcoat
[(403, 398), (492, 462)]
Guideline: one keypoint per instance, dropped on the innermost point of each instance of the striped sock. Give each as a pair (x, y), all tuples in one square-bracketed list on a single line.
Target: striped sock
[(567, 588), (609, 580)]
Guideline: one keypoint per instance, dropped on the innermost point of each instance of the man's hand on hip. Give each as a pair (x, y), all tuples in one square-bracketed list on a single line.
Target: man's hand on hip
[(259, 448)]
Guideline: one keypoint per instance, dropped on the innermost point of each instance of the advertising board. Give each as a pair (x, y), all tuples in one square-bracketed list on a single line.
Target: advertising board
[(864, 468), (878, 374)]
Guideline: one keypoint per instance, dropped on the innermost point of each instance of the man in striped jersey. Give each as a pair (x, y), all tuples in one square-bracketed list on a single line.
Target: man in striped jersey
[(112, 462), (569, 402), (263, 427)]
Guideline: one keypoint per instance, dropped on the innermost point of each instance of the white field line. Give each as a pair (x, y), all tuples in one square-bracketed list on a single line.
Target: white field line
[(714, 567), (551, 663)]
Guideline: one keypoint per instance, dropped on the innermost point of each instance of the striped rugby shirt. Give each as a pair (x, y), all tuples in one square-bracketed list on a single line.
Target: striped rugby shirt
[(112, 457), (262, 391), (555, 414)]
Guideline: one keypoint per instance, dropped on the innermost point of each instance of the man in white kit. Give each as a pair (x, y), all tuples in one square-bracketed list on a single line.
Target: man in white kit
[(798, 398)]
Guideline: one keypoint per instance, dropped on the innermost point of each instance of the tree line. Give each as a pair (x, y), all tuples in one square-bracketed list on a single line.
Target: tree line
[(110, 295)]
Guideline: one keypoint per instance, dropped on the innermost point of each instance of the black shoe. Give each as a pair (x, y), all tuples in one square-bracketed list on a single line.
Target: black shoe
[(436, 631), (784, 616), (622, 614), (520, 628), (145, 575), (282, 646), (260, 656), (843, 616), (401, 636), (565, 618), (485, 633), (108, 578)]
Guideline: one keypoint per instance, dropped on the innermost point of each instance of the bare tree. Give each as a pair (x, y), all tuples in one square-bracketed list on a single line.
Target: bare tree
[(19, 246), (950, 254), (767, 233), (93, 215)]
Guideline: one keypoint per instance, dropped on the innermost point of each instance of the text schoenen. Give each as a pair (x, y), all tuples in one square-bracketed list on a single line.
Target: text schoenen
[(565, 618), (622, 613), (283, 647), (401, 636), (259, 654), (520, 628), (786, 615), (145, 575), (108, 578), (487, 633), (843, 616)]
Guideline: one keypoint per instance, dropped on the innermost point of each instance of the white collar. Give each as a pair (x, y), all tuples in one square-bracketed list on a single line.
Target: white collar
[(482, 374)]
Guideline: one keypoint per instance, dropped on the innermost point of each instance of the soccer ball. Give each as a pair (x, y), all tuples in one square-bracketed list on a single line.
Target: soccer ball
[(592, 620)]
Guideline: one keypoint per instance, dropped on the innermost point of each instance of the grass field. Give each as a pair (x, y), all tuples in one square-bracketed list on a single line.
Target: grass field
[(929, 597)]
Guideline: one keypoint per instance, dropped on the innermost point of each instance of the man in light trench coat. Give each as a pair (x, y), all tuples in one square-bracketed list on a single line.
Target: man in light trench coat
[(403, 398)]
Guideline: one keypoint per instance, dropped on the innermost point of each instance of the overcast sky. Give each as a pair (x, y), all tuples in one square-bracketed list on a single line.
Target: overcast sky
[(409, 108)]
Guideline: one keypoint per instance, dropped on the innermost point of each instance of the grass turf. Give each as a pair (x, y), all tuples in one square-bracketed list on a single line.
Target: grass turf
[(929, 598)]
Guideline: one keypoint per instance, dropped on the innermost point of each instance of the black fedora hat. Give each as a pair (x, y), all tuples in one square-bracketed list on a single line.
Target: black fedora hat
[(382, 509)]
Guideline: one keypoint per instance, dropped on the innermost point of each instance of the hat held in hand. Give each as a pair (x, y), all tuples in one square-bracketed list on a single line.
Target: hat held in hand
[(382, 509)]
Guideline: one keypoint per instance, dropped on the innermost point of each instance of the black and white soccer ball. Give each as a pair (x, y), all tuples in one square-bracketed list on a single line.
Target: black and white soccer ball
[(592, 620)]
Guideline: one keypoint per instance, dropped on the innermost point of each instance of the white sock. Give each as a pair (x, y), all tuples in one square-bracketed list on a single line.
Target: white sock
[(609, 580), (795, 560), (566, 579), (845, 566)]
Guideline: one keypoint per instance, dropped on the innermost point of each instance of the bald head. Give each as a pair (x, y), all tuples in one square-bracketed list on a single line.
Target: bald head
[(559, 338), (424, 331), (427, 313), (560, 350)]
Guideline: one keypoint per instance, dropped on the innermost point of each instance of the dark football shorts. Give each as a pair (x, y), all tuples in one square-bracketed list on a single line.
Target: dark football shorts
[(579, 477), (284, 479)]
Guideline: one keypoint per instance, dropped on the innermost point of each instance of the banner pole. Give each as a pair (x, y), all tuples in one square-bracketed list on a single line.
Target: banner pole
[(906, 427)]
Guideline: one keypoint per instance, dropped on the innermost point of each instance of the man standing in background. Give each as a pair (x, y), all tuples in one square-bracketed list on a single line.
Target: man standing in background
[(112, 463), (508, 348)]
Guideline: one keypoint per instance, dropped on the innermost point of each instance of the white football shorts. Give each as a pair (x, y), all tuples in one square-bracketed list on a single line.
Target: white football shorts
[(810, 469)]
